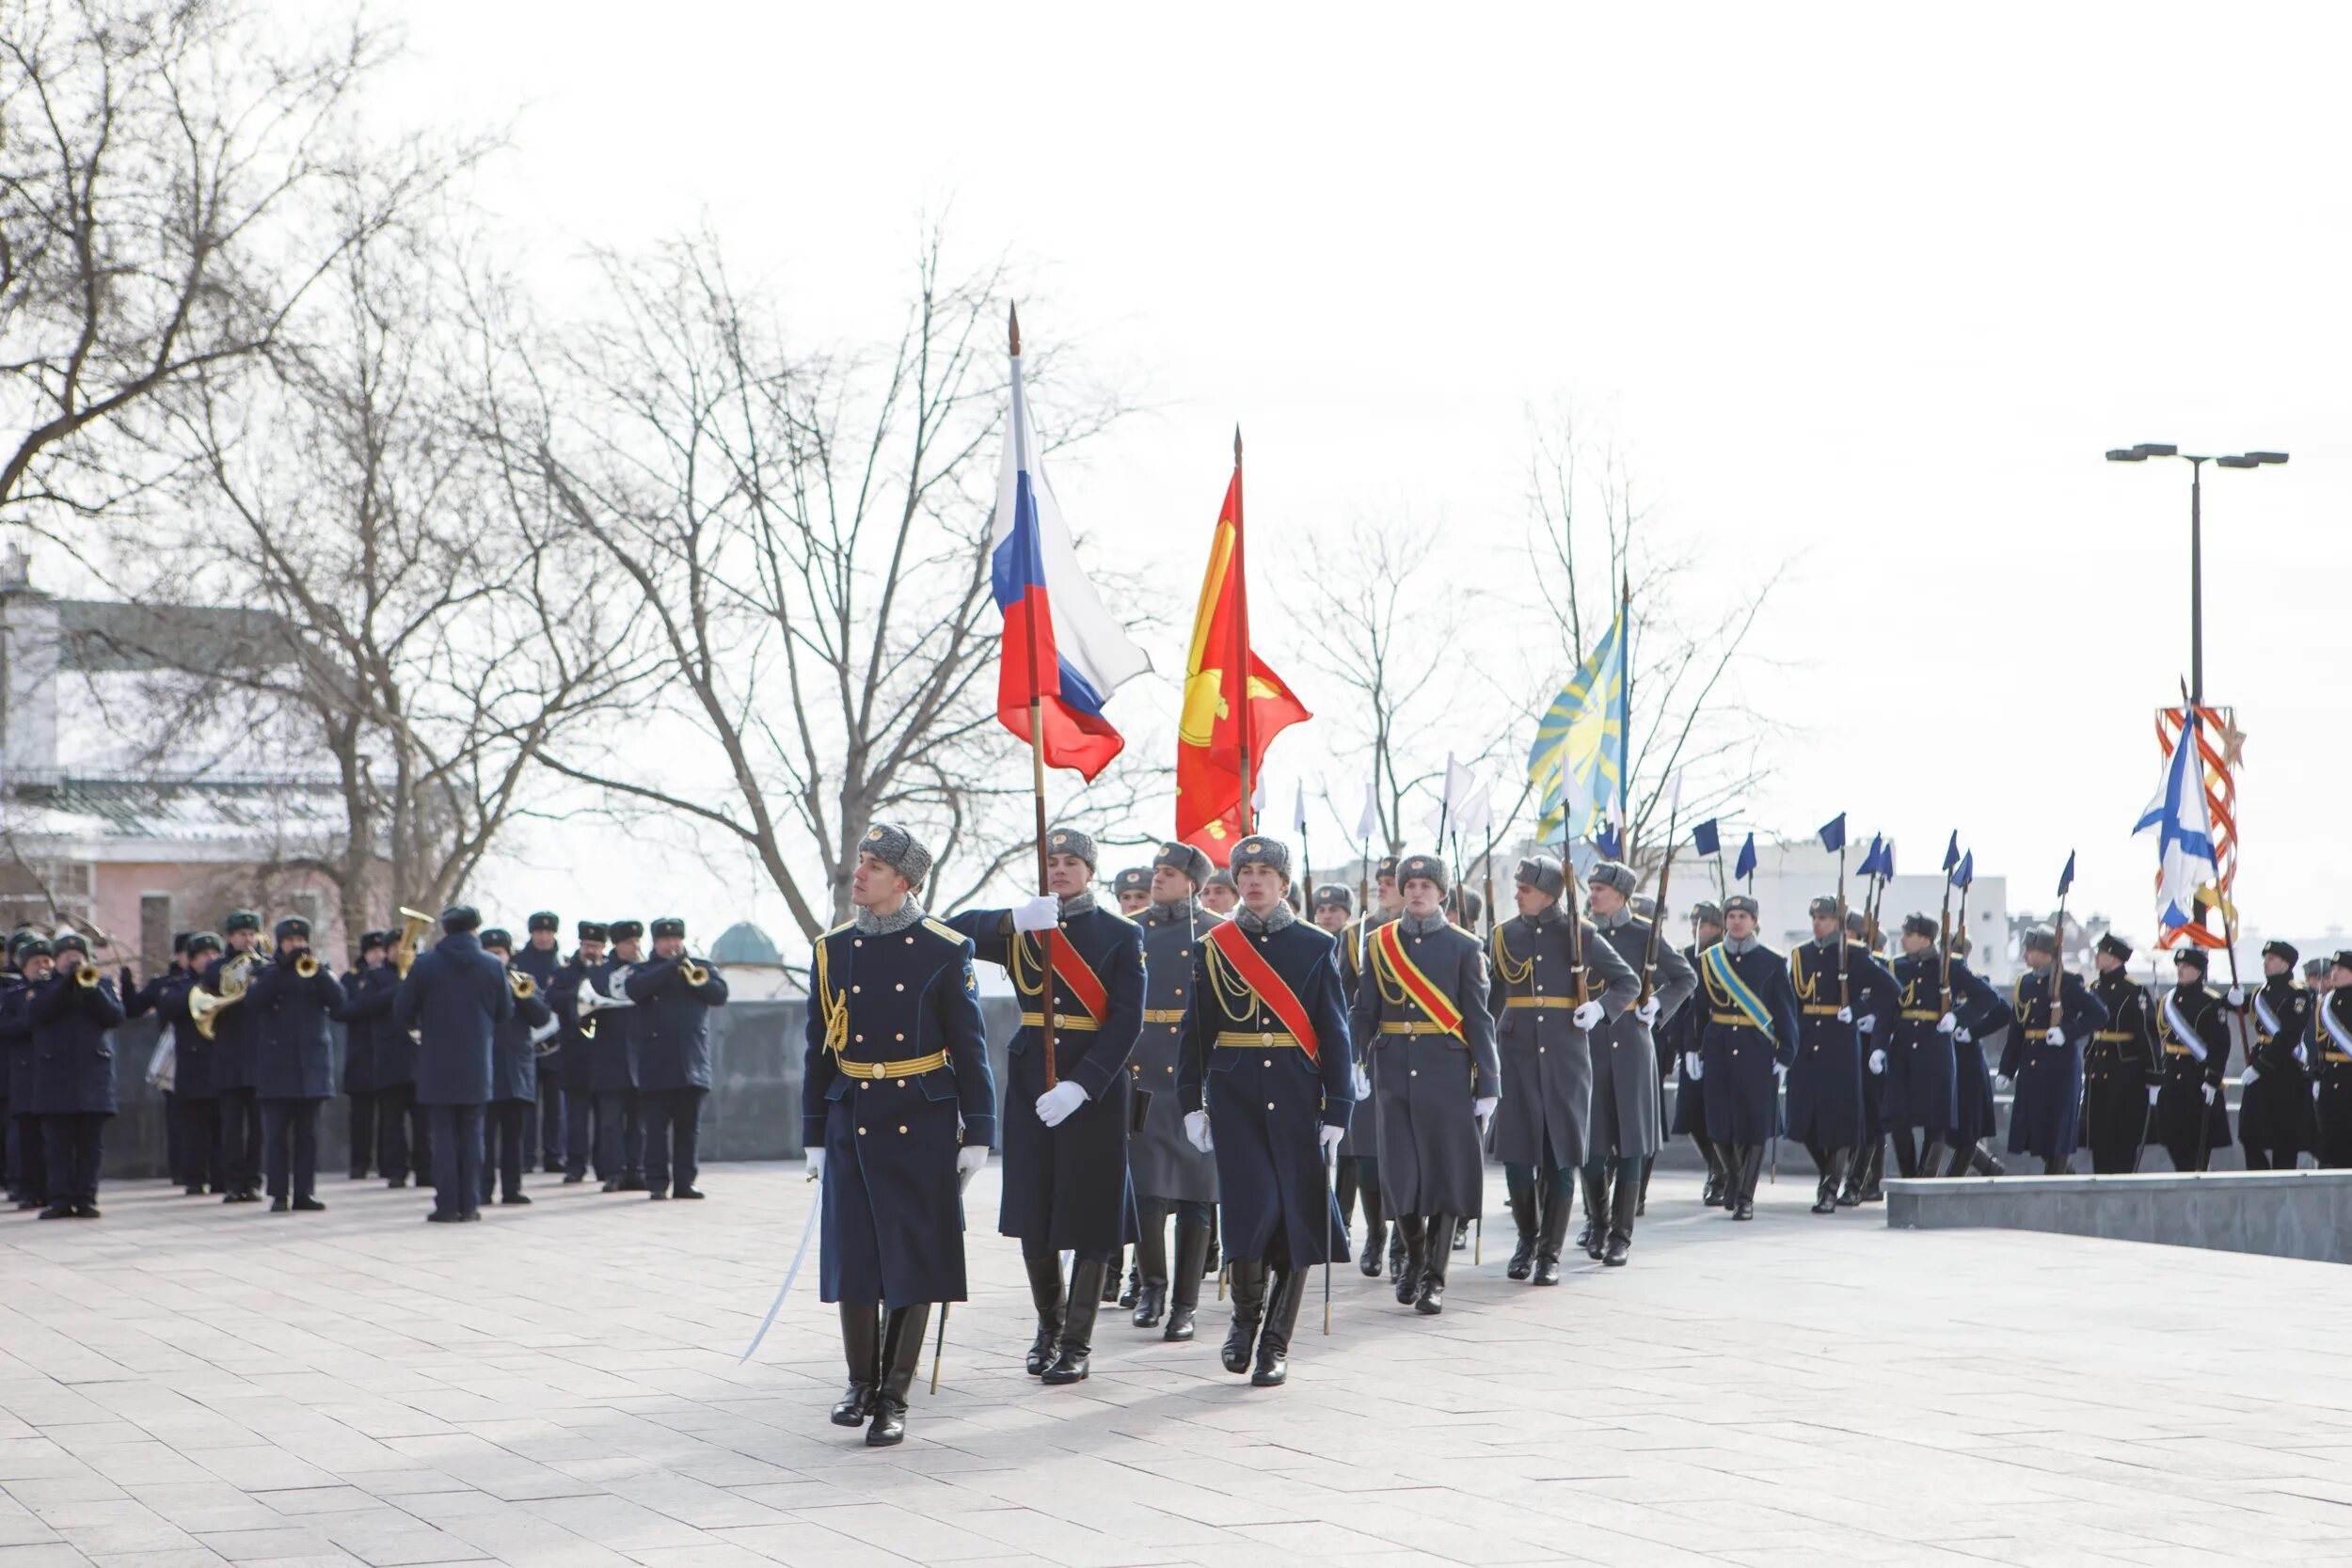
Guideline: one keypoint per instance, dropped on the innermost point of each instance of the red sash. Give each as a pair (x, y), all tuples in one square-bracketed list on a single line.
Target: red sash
[(1417, 985), (1272, 988), (1072, 972)]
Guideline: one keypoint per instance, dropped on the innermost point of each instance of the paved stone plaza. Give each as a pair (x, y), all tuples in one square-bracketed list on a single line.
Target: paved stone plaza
[(186, 1384)]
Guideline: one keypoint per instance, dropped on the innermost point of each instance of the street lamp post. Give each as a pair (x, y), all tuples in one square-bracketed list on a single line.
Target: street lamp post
[(2147, 450)]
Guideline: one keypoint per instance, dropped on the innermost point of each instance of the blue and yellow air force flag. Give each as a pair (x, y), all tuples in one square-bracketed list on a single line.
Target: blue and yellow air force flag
[(1578, 755), (2183, 834)]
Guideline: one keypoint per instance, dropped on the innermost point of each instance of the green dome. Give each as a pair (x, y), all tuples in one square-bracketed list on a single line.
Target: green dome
[(745, 943)]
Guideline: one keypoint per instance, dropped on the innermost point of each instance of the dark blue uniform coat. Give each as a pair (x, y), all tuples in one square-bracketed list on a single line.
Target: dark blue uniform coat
[(2045, 1116), (574, 1063), (236, 1029), (455, 997), (1922, 1062), (673, 1024), (293, 1053), (542, 967), (1424, 1085), (191, 1052), (612, 1053), (1164, 1164), (74, 1056), (1827, 1103), (893, 1210), (1268, 1104), (367, 1012), (16, 1042), (1683, 1032), (1066, 1187), (514, 1059), (1737, 1058), (2274, 1113), (2181, 1102)]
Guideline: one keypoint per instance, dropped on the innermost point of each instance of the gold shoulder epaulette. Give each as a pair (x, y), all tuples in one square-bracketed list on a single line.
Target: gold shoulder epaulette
[(838, 929), (941, 928)]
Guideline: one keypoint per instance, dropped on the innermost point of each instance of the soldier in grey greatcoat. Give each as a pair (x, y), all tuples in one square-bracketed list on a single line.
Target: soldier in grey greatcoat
[(1170, 1175), (1546, 1011), (1626, 1131)]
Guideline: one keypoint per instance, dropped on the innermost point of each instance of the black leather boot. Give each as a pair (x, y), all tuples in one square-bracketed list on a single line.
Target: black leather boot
[(1857, 1166), (1523, 1216), (1840, 1161), (1398, 1251), (1597, 1205), (1249, 1280), (1640, 1198), (1375, 1245), (1429, 1298), (1152, 1264), (1554, 1235), (1711, 1196), (1076, 1344), (902, 1352), (1282, 1318), (1192, 1245), (1112, 1275), (1874, 1179), (1045, 1291), (1982, 1162), (1932, 1158), (1750, 1162), (861, 1347), (1594, 1224), (1413, 1230), (1622, 1206), (1461, 1235)]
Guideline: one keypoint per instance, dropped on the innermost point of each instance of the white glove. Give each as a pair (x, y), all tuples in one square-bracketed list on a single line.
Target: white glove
[(1949, 1022), (2246, 1079), (1845, 1015), (1964, 1036), (1780, 1070), (2238, 996), (2208, 1094), (969, 1160), (2056, 1036), (2154, 1090), (1363, 1082), (1647, 1012), (1483, 1109), (1040, 914), (1692, 1067), (1054, 1105), (815, 1165), (1332, 1136), (1878, 1061), (1869, 1022), (1197, 1129), (1588, 1015), (2004, 1081)]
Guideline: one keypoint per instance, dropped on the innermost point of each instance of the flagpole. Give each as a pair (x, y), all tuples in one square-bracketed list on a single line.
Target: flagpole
[(1037, 789), (1845, 993), (1490, 872), (1944, 999), (1241, 638), (1658, 921)]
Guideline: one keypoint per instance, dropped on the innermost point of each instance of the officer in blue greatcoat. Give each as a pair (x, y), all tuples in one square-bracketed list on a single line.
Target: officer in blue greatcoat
[(612, 1063), (404, 1139), (360, 1073), (1169, 1175), (1065, 1146), (235, 1032), (1682, 1036), (73, 1011), (455, 997), (290, 1001), (1623, 1134), (515, 1078), (539, 959), (1922, 1088), (192, 1071), (1749, 1040), (1270, 1102), (897, 1110), (2275, 1123), (675, 993), (2043, 1059), (1359, 1150), (575, 1059), (2192, 1025), (1845, 1002)]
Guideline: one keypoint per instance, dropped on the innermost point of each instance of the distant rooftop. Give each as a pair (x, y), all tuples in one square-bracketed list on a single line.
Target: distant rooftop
[(745, 943), (181, 810)]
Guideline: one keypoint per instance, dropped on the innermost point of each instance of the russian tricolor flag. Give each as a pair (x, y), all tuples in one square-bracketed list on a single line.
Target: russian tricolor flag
[(1062, 650)]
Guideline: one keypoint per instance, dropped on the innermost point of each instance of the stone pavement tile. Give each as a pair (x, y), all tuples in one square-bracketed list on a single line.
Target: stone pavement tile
[(386, 1536), (706, 1554), (53, 1555), (44, 1492), (209, 1504), (285, 1541), (806, 1545), (614, 1522), (924, 1537)]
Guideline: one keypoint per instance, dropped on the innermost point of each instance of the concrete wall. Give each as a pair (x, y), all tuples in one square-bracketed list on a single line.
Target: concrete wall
[(2283, 1213)]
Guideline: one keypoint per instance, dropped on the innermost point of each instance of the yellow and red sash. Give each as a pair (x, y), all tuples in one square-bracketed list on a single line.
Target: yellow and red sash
[(1072, 971), (1234, 943), (1417, 985)]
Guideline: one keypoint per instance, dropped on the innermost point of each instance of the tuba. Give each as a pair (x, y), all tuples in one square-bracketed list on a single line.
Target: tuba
[(413, 925), (205, 1007)]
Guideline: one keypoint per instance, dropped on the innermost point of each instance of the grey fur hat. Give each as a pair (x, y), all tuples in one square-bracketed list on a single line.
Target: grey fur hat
[(1072, 841), (899, 849), (1257, 849), (1427, 868), (1187, 858), (1543, 873), (1614, 874)]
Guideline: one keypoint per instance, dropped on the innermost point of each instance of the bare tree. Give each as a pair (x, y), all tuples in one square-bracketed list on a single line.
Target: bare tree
[(1593, 538), (808, 533), (159, 166)]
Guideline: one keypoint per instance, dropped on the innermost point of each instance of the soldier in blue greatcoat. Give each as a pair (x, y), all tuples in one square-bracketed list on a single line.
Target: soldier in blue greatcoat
[(1750, 1039), (539, 959), (234, 1036), (1625, 1132), (359, 1081), (612, 1063), (192, 1070), (2275, 1123), (404, 1139), (1065, 1146), (1922, 1087), (576, 1060), (1269, 1084), (292, 1001), (456, 996), (2043, 1059), (2193, 1027), (1846, 1000), (897, 1110), (73, 1011), (28, 1168), (1681, 1035), (515, 1078), (1170, 1176), (674, 994)]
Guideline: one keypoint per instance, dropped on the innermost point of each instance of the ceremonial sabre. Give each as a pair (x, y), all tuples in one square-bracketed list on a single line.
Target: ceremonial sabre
[(939, 1347), (800, 1256)]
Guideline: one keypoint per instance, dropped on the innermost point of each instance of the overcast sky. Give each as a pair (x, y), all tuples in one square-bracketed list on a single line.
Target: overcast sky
[(1866, 288)]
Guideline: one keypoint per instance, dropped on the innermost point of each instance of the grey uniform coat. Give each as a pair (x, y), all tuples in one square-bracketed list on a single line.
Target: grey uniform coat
[(1162, 1160), (1364, 1133), (1426, 1083), (1625, 1104), (1547, 1087)]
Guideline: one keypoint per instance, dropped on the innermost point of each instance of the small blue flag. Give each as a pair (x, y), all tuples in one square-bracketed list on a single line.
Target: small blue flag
[(2066, 878), (1870, 861), (1967, 872), (1705, 840), (1834, 833), (1606, 841), (1951, 852), (1747, 859)]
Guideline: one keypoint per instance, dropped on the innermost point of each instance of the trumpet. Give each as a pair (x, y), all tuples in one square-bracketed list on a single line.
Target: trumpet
[(413, 925), (87, 976), (522, 985), (204, 1007), (692, 973), (305, 965)]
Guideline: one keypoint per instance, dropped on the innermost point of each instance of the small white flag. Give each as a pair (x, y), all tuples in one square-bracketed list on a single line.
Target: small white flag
[(1478, 812), (1673, 793), (1298, 811), (1369, 823)]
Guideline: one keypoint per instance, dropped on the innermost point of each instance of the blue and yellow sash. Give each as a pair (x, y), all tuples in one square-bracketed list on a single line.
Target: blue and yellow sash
[(1719, 969)]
